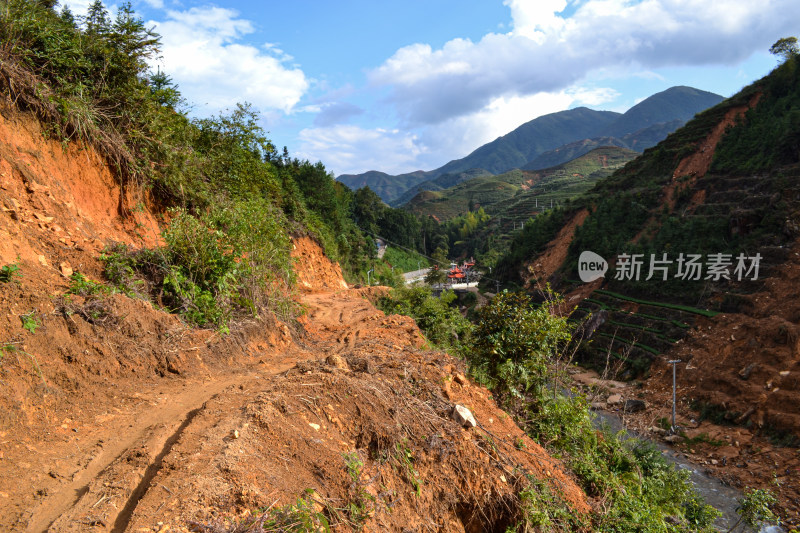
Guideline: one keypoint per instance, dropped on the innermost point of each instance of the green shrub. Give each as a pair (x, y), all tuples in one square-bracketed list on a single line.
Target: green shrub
[(755, 508), (235, 258), (514, 341), (442, 324), (515, 350), (83, 286)]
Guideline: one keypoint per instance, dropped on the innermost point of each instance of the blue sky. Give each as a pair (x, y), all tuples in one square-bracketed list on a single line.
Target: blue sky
[(405, 85)]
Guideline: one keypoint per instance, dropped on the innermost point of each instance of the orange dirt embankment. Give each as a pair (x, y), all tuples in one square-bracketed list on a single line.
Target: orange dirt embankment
[(696, 165), (61, 201), (747, 366), (315, 273), (115, 416), (555, 253)]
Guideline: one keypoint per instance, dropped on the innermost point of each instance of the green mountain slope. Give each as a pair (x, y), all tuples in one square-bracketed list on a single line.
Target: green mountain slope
[(676, 199), (640, 127), (517, 195), (385, 185), (676, 103), (637, 141), (442, 182), (515, 149)]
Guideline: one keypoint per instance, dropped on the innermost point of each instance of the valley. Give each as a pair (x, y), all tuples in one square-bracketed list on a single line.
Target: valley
[(201, 333)]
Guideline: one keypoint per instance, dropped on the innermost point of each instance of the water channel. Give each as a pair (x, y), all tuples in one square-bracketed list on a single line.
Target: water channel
[(722, 497)]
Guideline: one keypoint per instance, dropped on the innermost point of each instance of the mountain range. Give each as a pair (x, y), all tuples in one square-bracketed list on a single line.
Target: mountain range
[(549, 140)]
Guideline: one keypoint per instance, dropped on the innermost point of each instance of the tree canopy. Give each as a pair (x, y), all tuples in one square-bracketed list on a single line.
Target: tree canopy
[(785, 47)]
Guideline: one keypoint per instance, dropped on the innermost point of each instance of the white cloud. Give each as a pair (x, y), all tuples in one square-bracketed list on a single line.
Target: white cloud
[(349, 149), (548, 52), (78, 7), (346, 148), (536, 19), (202, 52)]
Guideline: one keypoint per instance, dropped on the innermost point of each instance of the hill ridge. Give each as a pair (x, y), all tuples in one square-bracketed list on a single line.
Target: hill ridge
[(518, 148)]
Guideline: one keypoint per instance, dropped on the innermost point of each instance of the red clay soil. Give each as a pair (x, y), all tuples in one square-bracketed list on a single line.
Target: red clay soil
[(747, 368), (115, 416), (697, 164), (554, 254), (315, 272)]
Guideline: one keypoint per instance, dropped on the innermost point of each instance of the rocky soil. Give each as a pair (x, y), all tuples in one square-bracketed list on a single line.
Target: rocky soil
[(116, 416)]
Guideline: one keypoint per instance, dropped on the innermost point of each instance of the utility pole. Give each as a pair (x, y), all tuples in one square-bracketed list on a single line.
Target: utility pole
[(674, 363), (368, 273)]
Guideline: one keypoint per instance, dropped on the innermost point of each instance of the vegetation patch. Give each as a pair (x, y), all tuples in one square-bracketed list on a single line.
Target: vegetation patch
[(303, 516), (9, 273), (441, 323)]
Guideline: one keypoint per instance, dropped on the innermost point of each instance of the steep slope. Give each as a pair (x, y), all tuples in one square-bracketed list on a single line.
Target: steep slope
[(117, 416), (726, 184)]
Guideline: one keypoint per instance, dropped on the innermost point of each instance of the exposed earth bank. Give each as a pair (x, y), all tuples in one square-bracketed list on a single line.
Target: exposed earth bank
[(116, 416)]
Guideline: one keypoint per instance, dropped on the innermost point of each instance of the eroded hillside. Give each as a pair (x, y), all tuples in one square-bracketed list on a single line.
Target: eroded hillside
[(117, 416), (721, 185)]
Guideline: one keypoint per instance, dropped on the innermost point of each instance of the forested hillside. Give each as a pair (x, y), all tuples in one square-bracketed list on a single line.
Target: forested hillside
[(721, 190)]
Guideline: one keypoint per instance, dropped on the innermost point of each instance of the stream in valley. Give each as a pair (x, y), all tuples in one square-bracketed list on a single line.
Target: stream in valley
[(714, 492)]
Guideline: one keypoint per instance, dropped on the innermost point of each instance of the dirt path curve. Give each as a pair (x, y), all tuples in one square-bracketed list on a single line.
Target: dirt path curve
[(113, 465)]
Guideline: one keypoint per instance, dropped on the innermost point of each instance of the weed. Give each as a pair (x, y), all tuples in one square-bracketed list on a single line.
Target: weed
[(542, 510), (353, 464), (782, 438), (406, 460), (7, 347), (83, 286), (11, 347), (8, 272), (299, 517), (362, 503), (30, 322)]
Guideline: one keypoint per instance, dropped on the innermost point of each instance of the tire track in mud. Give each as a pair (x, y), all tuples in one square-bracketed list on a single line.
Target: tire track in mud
[(54, 512), (124, 517), (121, 467)]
